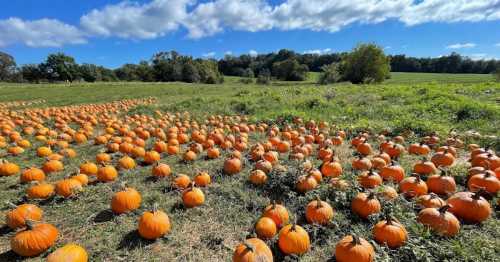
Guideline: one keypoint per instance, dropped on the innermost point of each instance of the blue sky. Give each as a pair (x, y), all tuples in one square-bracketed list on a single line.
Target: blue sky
[(114, 32)]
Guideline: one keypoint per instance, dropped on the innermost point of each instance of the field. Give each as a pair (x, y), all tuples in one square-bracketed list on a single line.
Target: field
[(413, 105)]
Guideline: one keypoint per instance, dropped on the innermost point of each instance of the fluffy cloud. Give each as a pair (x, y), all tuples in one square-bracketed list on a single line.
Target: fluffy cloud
[(156, 18), (253, 53), (461, 46), (38, 33), (132, 20), (318, 51), (209, 54)]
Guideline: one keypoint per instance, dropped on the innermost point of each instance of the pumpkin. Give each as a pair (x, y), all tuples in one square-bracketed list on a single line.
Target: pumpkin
[(181, 181), (413, 186), (89, 169), (277, 213), (68, 253), (107, 174), (151, 157), (361, 163), (232, 166), (252, 250), (189, 156), (392, 172), (424, 167), (126, 162), (213, 153), (441, 184), (68, 187), (488, 181), (390, 232), (353, 248), (102, 158), (202, 179), (264, 166), (319, 212), (439, 220), (17, 217), (8, 169), (82, 178), (306, 183), (293, 240), (161, 170), (40, 191), (34, 240), (154, 224), (265, 228), (257, 177), (193, 197), (126, 200), (43, 151), (365, 205), (443, 159), (430, 200), (32, 174), (52, 166), (369, 179), (471, 207), (331, 169), (339, 184), (388, 192), (364, 148)]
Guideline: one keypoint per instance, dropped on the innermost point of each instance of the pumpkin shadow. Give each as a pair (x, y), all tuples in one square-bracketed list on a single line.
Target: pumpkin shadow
[(10, 256), (151, 179), (133, 240), (4, 231), (47, 201), (104, 216)]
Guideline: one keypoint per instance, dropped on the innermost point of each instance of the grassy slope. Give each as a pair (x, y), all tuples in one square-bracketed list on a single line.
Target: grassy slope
[(209, 233)]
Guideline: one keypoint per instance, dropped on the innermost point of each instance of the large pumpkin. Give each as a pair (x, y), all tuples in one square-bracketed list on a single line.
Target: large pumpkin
[(293, 240), (34, 240), (68, 253), (354, 249), (252, 250)]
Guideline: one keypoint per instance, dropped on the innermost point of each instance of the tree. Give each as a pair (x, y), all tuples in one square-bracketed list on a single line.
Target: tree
[(90, 73), (128, 72), (264, 77), (248, 76), (60, 67), (331, 74), (190, 73), (144, 72), (7, 67), (366, 63), (31, 73), (209, 71), (497, 74), (290, 70)]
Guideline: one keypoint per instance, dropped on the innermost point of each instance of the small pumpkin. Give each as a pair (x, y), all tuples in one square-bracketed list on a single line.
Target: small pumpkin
[(68, 253), (40, 191), (353, 248), (17, 217), (413, 186), (89, 169), (161, 170), (293, 240), (252, 250), (154, 224), (278, 213), (232, 166), (370, 179), (390, 232), (193, 197), (430, 200), (68, 187), (257, 177), (319, 212), (126, 200), (265, 228), (181, 181), (34, 240), (441, 184), (107, 174), (32, 174), (469, 206), (439, 220), (202, 179), (365, 205)]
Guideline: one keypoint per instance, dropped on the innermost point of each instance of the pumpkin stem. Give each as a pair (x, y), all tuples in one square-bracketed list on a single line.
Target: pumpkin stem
[(432, 195), (478, 193), (371, 195), (444, 208), (155, 207), (249, 246), (29, 224), (318, 202), (10, 204), (355, 240)]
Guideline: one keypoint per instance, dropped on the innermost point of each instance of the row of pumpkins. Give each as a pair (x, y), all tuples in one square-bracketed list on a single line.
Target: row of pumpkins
[(231, 133)]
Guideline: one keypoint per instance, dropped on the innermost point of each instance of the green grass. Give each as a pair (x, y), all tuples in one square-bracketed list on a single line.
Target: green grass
[(417, 102)]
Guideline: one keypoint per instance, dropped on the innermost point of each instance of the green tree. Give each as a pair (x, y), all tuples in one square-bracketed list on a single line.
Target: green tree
[(365, 64), (190, 73), (60, 67), (145, 72), (90, 73), (32, 73), (290, 70), (248, 76), (7, 67), (330, 74), (264, 77), (497, 74)]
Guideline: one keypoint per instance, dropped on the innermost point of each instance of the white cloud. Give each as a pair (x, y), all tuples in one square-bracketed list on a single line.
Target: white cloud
[(132, 20), (149, 19), (461, 46), (497, 45), (209, 54), (253, 53), (481, 56), (38, 33), (318, 51), (228, 53)]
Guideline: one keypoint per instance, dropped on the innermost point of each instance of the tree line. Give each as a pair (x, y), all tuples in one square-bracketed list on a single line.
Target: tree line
[(359, 65)]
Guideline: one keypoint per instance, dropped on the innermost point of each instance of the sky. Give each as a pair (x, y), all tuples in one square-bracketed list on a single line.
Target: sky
[(115, 32)]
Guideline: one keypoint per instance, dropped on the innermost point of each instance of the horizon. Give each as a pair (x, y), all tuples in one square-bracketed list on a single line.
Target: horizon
[(101, 32)]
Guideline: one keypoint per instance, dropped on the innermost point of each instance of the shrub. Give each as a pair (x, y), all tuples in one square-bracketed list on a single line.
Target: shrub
[(264, 77), (247, 77), (367, 63), (290, 70), (330, 74)]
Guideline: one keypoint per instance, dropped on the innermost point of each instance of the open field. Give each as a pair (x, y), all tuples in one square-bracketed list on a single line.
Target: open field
[(411, 104)]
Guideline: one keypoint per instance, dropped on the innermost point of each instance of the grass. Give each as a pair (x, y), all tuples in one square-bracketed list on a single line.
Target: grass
[(209, 233)]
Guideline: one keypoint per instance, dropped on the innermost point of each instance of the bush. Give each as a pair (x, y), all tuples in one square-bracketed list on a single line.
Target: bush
[(367, 63), (330, 74), (290, 70), (247, 77), (497, 75), (264, 77)]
